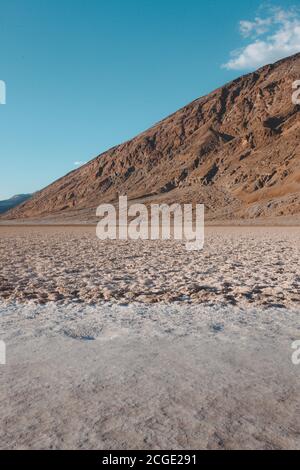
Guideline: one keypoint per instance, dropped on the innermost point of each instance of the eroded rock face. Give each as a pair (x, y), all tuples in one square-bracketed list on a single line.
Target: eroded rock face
[(237, 150)]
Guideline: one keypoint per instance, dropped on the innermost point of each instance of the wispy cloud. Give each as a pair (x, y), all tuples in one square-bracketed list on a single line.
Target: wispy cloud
[(79, 163), (270, 37)]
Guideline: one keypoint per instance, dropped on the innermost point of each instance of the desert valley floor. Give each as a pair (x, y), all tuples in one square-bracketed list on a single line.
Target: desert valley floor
[(146, 345)]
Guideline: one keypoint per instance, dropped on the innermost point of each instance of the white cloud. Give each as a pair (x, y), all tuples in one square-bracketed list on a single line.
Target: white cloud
[(79, 163), (271, 38), (258, 26)]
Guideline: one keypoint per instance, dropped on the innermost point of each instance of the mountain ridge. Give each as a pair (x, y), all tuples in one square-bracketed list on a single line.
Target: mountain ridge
[(8, 204), (236, 150)]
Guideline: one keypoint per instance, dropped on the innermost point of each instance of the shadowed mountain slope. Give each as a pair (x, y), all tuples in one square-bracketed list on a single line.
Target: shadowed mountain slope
[(12, 202)]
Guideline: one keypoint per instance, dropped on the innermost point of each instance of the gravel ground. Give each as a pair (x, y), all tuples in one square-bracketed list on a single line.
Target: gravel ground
[(148, 346), (240, 266)]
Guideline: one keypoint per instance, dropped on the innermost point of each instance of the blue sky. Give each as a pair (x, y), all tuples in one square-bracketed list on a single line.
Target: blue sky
[(82, 76)]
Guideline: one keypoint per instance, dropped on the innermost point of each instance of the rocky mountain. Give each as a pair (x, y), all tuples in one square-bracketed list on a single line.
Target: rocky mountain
[(237, 150), (14, 201)]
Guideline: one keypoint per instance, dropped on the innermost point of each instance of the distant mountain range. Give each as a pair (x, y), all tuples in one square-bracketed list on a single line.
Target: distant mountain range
[(237, 150), (14, 201)]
